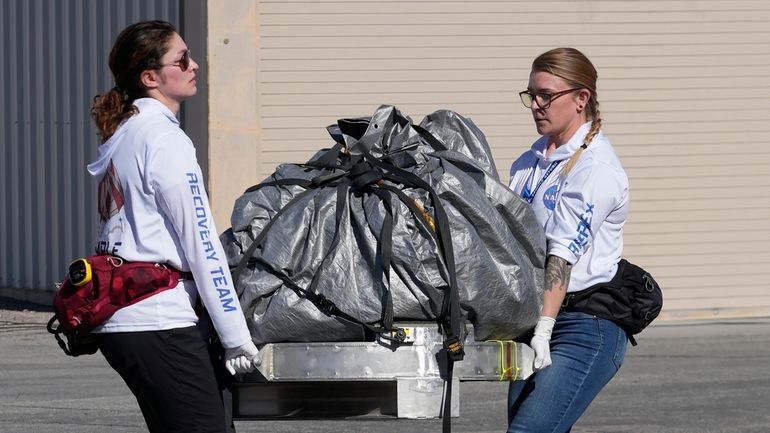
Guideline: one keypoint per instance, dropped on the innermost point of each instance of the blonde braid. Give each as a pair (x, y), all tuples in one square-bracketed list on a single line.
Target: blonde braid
[(596, 126)]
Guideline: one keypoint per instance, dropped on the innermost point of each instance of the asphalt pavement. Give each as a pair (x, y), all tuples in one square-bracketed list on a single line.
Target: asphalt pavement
[(706, 377)]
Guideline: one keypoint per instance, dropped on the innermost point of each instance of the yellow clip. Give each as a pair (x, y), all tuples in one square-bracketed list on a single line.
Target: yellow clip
[(509, 360), (80, 272)]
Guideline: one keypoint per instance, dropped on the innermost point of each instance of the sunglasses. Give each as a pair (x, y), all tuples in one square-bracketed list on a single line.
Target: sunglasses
[(183, 62)]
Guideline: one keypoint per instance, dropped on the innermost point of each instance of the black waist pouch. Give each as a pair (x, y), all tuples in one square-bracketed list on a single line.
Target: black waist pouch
[(632, 299)]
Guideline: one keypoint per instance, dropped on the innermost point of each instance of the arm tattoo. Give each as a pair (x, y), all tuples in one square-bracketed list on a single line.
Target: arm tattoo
[(557, 272)]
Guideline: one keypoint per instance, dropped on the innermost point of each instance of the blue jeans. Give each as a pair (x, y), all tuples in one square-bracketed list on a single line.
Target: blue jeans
[(586, 352)]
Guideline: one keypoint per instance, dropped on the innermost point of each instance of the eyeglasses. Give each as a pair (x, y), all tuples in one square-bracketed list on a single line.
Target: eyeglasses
[(183, 62), (543, 99)]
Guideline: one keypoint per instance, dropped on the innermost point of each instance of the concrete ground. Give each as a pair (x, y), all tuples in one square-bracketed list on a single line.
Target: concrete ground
[(699, 377)]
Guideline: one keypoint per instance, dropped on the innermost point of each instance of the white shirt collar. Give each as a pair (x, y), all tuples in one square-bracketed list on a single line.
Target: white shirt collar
[(152, 104), (564, 151)]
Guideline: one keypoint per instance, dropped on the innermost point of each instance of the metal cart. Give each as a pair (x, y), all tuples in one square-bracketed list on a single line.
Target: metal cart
[(376, 378)]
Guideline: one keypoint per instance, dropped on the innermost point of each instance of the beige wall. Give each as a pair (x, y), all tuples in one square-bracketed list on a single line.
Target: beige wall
[(684, 90), (234, 119)]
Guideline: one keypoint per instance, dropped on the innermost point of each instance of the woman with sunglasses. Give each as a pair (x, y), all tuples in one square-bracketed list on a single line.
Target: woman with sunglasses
[(154, 208), (578, 189)]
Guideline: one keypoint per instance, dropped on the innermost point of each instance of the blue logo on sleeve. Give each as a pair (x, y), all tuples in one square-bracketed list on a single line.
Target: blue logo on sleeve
[(549, 197), (579, 244)]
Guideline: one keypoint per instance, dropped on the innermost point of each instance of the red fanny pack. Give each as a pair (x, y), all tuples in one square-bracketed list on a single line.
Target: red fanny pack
[(98, 286)]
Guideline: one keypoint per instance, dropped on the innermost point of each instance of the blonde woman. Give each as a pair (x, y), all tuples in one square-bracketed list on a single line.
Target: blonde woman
[(578, 189)]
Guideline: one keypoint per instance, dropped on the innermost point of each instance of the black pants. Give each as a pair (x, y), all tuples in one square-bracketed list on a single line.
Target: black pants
[(172, 376)]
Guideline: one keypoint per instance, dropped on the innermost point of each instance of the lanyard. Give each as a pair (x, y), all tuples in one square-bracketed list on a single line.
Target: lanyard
[(531, 196)]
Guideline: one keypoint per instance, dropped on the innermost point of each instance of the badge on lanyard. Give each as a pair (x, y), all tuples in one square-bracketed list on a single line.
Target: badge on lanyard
[(550, 194)]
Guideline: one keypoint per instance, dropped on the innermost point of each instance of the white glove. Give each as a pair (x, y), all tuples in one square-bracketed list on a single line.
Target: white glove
[(242, 359), (541, 342)]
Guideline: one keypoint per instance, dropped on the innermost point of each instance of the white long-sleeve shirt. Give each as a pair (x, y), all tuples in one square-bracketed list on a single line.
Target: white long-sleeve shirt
[(154, 208), (584, 214)]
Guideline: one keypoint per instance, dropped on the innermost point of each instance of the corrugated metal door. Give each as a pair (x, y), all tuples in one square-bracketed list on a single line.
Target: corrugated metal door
[(54, 61), (684, 90)]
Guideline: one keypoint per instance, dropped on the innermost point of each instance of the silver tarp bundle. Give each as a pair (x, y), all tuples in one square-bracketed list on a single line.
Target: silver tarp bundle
[(381, 228)]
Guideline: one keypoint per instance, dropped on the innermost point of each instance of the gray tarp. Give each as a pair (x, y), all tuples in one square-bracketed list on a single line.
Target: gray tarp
[(330, 241)]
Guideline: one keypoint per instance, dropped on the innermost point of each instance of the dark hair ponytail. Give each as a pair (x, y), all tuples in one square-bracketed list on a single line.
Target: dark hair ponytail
[(137, 48), (110, 110)]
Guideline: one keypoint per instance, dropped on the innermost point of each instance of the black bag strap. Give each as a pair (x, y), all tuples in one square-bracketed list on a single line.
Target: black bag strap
[(75, 344), (57, 334), (616, 282), (446, 411), (453, 346), (450, 314)]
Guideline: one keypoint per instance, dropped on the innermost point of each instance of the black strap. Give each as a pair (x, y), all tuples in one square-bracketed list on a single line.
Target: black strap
[(446, 412), (280, 182), (431, 139), (329, 158), (309, 186), (452, 326), (419, 216), (386, 252), (328, 307), (261, 237), (56, 333), (617, 281), (77, 347)]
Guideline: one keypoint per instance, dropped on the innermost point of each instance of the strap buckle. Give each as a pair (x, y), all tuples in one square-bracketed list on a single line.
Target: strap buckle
[(325, 305), (454, 348)]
